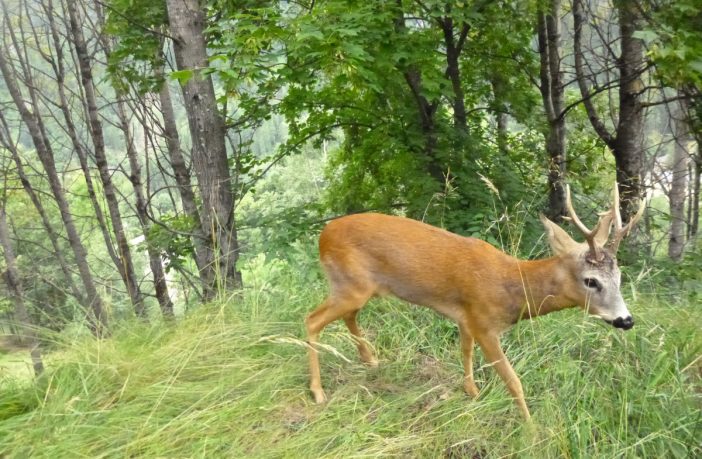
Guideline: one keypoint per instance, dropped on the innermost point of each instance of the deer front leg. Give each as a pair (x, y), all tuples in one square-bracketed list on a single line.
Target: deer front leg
[(467, 352), (492, 349)]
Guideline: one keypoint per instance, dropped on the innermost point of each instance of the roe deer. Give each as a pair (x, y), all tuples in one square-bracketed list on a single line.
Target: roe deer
[(484, 290)]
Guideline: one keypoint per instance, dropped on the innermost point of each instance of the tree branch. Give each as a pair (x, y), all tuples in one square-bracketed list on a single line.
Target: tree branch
[(595, 120)]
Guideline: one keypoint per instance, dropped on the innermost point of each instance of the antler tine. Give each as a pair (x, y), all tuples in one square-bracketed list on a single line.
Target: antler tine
[(589, 235), (615, 210)]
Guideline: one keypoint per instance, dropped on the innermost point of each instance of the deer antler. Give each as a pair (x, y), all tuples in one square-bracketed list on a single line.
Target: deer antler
[(620, 232), (589, 235)]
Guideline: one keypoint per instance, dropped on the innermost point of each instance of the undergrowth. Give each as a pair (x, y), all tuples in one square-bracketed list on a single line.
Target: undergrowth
[(230, 380)]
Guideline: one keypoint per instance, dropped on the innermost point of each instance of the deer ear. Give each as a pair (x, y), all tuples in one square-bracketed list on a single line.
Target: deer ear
[(560, 241), (604, 226)]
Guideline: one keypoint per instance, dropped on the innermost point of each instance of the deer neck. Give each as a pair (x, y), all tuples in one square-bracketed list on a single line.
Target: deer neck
[(545, 284)]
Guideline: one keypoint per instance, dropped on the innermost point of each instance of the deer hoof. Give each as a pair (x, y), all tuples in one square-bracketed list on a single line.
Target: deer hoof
[(471, 389), (319, 396)]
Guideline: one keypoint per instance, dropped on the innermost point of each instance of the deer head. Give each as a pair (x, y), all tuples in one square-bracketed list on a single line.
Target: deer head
[(590, 268)]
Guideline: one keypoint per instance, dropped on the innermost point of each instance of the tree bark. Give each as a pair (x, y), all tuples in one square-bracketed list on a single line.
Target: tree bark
[(502, 120), (453, 72), (425, 109), (628, 146), (692, 118), (126, 265), (160, 286), (97, 317), (597, 124), (46, 223), (207, 130), (57, 64), (552, 95), (695, 195), (627, 141), (155, 263), (678, 187), (182, 178), (14, 283)]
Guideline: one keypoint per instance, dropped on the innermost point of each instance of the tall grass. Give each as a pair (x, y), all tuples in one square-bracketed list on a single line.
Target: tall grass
[(230, 380)]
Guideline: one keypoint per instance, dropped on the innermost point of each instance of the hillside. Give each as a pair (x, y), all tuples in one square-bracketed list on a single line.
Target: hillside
[(230, 380)]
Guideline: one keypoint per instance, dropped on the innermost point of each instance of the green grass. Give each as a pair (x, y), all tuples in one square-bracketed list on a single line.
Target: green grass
[(230, 380)]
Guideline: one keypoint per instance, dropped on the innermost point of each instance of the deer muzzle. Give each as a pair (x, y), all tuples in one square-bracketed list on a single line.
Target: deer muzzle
[(624, 323)]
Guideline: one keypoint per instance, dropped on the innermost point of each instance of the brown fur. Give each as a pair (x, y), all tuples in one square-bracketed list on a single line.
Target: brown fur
[(481, 288)]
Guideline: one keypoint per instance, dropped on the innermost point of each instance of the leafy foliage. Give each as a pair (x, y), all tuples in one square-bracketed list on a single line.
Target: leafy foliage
[(137, 57), (674, 42), (673, 39), (172, 238)]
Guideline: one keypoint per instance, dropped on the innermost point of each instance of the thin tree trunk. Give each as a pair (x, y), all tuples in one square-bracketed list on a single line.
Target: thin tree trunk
[(159, 276), (126, 265), (696, 178), (57, 63), (426, 110), (497, 83), (182, 178), (695, 197), (160, 286), (453, 52), (14, 283), (207, 130), (552, 95), (46, 223), (678, 187), (502, 130), (626, 144), (97, 317)]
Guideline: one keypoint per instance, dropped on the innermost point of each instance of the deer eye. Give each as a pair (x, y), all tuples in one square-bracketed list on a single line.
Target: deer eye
[(593, 284)]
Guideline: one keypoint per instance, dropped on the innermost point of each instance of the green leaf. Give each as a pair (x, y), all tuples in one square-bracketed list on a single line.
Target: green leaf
[(646, 35), (182, 76)]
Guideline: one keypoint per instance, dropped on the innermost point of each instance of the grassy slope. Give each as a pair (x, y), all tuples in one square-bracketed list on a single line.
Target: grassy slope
[(230, 380)]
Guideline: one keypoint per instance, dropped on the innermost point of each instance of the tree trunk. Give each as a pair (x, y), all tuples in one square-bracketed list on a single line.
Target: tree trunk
[(502, 120), (125, 266), (46, 223), (552, 95), (678, 187), (59, 71), (695, 196), (160, 286), (628, 145), (207, 131), (97, 317), (425, 109), (14, 284), (627, 142), (155, 263), (453, 52), (182, 178)]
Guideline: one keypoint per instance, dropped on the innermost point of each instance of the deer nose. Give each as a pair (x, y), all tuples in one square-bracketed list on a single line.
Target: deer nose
[(623, 322)]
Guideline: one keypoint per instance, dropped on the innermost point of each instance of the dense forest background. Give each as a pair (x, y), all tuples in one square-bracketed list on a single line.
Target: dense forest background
[(158, 156)]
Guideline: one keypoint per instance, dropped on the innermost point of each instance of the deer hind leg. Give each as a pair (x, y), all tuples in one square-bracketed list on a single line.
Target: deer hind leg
[(362, 345), (467, 351), (490, 345), (334, 307)]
